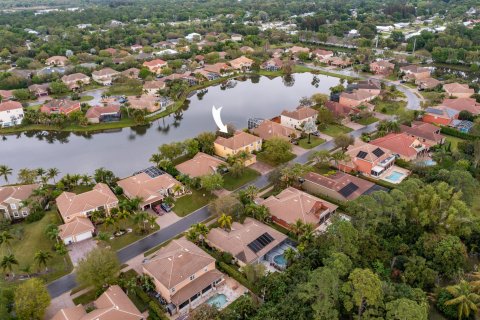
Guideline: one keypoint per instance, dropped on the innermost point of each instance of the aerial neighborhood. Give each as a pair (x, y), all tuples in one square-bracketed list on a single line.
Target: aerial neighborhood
[(339, 181)]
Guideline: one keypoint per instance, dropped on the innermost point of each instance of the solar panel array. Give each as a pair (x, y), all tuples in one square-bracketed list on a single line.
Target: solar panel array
[(153, 172), (378, 152), (261, 242), (434, 111), (348, 189), (362, 155)]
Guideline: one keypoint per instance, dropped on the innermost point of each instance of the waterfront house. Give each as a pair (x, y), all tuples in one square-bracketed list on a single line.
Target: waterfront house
[(321, 54), (441, 115), (75, 80), (149, 103), (151, 189), (239, 142), (56, 61), (105, 76), (201, 164), (113, 304), (11, 113), (339, 185), (292, 204), (297, 118), (242, 64), (182, 274), (458, 90), (248, 242), (103, 113), (425, 132), (373, 86), (356, 98), (12, 199), (382, 67), (62, 106), (402, 145), (273, 64), (269, 129), (152, 87), (155, 66), (367, 159)]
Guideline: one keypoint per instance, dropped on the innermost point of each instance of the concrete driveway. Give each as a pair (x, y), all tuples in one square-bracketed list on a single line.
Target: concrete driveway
[(77, 251), (167, 219), (261, 167)]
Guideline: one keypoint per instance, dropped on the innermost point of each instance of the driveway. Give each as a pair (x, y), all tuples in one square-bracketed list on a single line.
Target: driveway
[(353, 125), (77, 251), (167, 219), (261, 167)]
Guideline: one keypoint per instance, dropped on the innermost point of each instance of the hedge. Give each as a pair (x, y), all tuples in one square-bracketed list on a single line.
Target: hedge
[(156, 312), (235, 274), (458, 134)]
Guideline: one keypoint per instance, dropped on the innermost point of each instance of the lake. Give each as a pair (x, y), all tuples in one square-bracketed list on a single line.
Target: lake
[(127, 150)]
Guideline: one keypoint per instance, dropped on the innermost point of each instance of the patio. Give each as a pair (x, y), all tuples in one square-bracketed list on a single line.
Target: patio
[(394, 174), (274, 261)]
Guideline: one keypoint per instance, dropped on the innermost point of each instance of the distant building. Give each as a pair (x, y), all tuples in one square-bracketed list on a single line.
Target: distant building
[(11, 113), (12, 199)]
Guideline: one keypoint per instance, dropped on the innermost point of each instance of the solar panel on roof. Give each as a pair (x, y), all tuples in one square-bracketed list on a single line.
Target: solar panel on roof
[(153, 172), (348, 189), (378, 152), (261, 242), (434, 111), (362, 155)]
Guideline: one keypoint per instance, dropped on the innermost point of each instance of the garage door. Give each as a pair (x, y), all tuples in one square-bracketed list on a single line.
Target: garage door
[(68, 240), (83, 236)]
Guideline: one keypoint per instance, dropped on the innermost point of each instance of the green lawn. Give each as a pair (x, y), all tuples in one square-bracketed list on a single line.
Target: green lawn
[(86, 98), (189, 203), (334, 130), (261, 156), (454, 142), (85, 298), (128, 238), (30, 238), (232, 183), (314, 141), (366, 121), (389, 107)]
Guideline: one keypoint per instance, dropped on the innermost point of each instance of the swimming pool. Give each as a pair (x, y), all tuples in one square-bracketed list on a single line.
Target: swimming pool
[(280, 260), (395, 177), (218, 300), (428, 162)]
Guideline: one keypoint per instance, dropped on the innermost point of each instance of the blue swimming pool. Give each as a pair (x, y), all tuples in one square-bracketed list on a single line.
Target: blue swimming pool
[(395, 177), (429, 162), (280, 260), (218, 300)]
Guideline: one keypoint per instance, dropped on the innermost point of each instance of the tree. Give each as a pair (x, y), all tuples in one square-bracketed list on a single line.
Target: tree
[(5, 240), (321, 157), (8, 262), (58, 87), (254, 272), (52, 173), (319, 99), (212, 182), (204, 312), (42, 258), (325, 117), (225, 221), (192, 146), (31, 299), (197, 232), (418, 274), (403, 309), (5, 172), (277, 150), (464, 298), (343, 141), (365, 289), (61, 250), (309, 128), (21, 94), (100, 267)]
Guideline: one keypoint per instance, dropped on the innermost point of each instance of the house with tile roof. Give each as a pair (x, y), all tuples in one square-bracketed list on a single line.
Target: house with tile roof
[(103, 113), (11, 200), (242, 241), (239, 142), (356, 98), (341, 111), (182, 274), (427, 83), (295, 119), (405, 146), (57, 61), (414, 72), (424, 132), (132, 73), (11, 113), (459, 90), (367, 159), (78, 229), (339, 185), (155, 66), (151, 190), (382, 67), (113, 304), (39, 90), (105, 76), (241, 64), (201, 164), (292, 204), (461, 104), (441, 115), (6, 95), (62, 106), (75, 80), (269, 129), (321, 54), (152, 87), (273, 64)]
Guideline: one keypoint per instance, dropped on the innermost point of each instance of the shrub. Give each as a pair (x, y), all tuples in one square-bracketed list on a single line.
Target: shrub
[(449, 312), (35, 216), (156, 312), (455, 133), (234, 273)]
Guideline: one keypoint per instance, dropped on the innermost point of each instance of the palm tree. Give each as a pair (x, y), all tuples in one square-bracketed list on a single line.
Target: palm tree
[(5, 171), (123, 215), (340, 156), (321, 157), (41, 172), (26, 269), (141, 218), (225, 221), (61, 250), (52, 173), (86, 179), (290, 255), (464, 298), (111, 221), (8, 262), (199, 232), (41, 258), (297, 227), (5, 240), (52, 233)]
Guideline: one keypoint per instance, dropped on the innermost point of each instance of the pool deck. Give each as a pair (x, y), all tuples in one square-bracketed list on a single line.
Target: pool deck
[(387, 173)]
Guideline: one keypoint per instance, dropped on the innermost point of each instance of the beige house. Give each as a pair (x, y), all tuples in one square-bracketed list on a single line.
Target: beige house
[(59, 61), (132, 73), (242, 63), (182, 273), (151, 88), (155, 66), (296, 118), (105, 76), (75, 80), (413, 72), (459, 90), (152, 191), (245, 242), (11, 198), (292, 204), (356, 98), (113, 304), (269, 129), (201, 164), (240, 142), (150, 103), (71, 205), (80, 228)]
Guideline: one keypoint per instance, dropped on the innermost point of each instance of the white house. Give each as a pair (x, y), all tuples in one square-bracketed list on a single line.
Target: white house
[(295, 119), (11, 113), (193, 37)]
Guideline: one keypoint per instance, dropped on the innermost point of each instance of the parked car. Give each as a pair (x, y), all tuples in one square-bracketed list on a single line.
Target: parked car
[(165, 207), (158, 210)]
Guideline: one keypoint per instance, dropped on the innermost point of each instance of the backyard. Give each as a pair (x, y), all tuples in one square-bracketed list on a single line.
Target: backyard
[(453, 142), (334, 130), (189, 203), (232, 183)]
